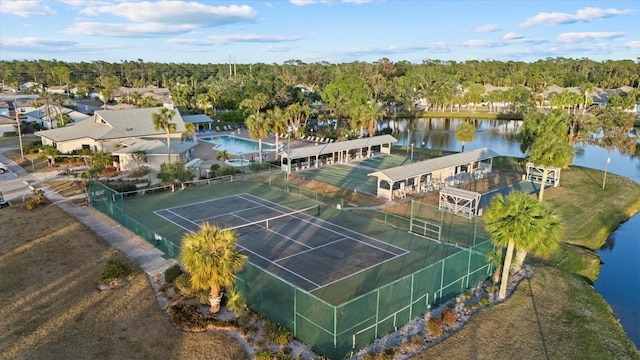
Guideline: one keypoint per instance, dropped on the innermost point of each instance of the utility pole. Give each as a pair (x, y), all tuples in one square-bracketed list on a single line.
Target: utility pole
[(606, 167), (15, 109)]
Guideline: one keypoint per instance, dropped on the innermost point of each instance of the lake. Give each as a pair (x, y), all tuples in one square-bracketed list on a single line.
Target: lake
[(619, 278)]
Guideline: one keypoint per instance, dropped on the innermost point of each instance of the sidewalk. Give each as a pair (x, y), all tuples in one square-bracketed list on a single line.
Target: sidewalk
[(134, 248)]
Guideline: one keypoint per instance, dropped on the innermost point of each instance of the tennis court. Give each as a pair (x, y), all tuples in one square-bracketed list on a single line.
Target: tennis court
[(293, 245), (345, 176)]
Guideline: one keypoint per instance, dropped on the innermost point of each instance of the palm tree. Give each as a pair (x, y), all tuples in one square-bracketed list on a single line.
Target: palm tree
[(519, 221), (465, 132), (162, 121), (223, 155), (211, 259), (277, 123), (496, 258), (258, 129), (189, 132), (236, 302), (550, 150)]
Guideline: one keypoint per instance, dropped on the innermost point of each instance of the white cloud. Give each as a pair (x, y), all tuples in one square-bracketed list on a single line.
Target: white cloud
[(235, 38), (311, 2), (172, 12), (487, 28), (633, 44), (52, 46), (308, 2), (584, 15), (512, 36), (572, 37), (277, 48), (159, 18), (127, 30), (26, 8)]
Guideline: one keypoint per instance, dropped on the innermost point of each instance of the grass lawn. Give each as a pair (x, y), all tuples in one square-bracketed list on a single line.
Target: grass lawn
[(50, 308), (555, 315)]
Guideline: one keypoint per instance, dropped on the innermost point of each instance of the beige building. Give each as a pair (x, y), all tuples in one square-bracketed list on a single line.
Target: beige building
[(115, 130)]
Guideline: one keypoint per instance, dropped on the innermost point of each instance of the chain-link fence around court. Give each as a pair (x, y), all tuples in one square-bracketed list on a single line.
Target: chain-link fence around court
[(341, 318)]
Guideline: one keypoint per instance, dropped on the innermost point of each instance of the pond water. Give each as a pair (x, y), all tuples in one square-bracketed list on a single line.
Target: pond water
[(619, 278)]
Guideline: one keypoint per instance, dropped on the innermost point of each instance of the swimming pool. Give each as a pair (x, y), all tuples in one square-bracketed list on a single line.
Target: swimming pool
[(236, 145)]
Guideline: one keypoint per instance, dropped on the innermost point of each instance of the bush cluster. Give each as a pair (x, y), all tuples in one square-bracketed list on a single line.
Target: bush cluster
[(277, 334), (449, 317), (172, 273), (434, 327), (115, 271)]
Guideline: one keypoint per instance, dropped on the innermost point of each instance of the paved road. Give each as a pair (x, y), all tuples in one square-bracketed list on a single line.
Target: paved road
[(15, 186)]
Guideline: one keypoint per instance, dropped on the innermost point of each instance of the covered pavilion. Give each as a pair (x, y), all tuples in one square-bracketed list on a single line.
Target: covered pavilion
[(433, 174), (337, 152)]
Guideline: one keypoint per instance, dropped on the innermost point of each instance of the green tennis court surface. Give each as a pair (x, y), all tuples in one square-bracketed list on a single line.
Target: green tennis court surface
[(293, 245)]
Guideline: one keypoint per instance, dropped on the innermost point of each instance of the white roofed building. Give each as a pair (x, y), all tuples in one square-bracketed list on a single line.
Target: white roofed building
[(111, 130)]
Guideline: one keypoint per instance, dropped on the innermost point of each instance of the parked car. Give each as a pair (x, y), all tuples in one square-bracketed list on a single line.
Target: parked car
[(3, 168), (3, 203)]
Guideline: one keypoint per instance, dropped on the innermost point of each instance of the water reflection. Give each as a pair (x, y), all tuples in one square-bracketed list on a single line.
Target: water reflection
[(501, 137), (609, 243)]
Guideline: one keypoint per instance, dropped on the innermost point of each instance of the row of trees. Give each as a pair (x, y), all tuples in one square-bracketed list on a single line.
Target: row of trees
[(444, 83), (564, 72)]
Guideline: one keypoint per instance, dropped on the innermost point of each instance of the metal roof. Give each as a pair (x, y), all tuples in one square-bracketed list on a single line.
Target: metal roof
[(461, 193), (322, 148), (112, 124), (156, 147), (428, 166), (196, 119)]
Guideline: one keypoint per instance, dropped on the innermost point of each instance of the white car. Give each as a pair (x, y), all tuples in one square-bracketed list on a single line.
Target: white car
[(3, 168)]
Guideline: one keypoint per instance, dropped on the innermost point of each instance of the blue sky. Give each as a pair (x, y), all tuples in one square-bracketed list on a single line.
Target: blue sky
[(334, 31)]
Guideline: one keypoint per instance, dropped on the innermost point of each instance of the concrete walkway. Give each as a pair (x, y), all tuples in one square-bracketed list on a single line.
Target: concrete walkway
[(134, 248)]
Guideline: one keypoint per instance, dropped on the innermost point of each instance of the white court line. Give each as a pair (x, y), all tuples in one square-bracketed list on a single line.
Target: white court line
[(404, 251), (231, 213), (310, 249), (202, 202), (272, 231), (171, 221), (280, 266), (184, 218), (357, 272)]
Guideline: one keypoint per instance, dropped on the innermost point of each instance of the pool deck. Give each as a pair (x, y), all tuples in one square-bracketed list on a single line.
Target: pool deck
[(208, 155)]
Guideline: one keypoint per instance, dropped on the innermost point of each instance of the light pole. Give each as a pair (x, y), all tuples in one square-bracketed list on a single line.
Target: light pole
[(606, 166), (15, 109), (412, 145)]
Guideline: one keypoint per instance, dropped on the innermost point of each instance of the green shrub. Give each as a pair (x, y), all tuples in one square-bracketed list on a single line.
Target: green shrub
[(116, 270), (277, 334), (172, 273), (226, 170), (434, 327), (263, 355), (254, 166), (449, 317), (214, 167), (281, 355), (484, 300), (183, 287)]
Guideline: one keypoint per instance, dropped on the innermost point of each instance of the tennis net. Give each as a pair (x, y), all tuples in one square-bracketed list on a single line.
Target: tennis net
[(277, 221)]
